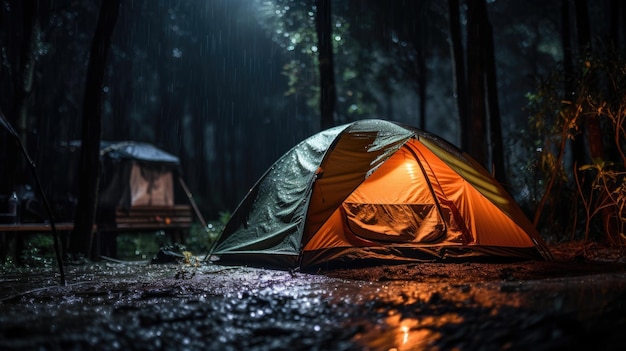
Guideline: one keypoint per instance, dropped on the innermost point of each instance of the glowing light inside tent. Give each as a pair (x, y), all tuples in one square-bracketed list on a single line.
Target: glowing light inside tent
[(410, 168)]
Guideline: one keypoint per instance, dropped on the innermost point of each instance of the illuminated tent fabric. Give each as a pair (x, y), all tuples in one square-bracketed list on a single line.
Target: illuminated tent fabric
[(375, 191)]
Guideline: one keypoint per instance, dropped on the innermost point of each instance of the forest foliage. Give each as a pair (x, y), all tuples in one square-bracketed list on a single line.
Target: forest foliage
[(594, 186)]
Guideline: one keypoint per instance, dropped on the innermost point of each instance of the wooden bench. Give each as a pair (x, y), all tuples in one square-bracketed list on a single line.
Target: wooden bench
[(143, 218), (9, 246), (174, 220)]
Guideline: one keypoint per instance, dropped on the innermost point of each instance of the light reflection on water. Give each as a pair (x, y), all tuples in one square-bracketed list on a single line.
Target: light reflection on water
[(427, 313), (400, 334)]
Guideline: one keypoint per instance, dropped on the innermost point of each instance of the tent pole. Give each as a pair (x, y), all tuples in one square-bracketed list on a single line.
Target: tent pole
[(55, 234), (192, 202), (4, 122)]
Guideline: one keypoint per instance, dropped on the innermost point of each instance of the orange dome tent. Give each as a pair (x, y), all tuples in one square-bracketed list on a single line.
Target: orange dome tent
[(375, 191)]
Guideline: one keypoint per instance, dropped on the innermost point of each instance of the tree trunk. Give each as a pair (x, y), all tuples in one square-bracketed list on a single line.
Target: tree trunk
[(328, 94), (495, 125), (89, 166), (458, 66), (615, 25), (566, 43), (23, 87), (592, 124), (577, 145), (26, 68), (622, 21), (583, 28), (477, 145), (422, 76)]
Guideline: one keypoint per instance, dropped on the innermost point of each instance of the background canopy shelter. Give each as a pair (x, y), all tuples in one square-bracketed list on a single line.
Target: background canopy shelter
[(375, 191), (135, 174)]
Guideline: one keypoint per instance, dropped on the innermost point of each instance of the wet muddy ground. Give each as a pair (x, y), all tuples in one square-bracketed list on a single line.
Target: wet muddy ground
[(577, 302)]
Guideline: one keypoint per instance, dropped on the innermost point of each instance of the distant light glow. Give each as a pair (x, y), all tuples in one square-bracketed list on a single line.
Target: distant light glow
[(314, 48), (177, 53), (337, 37)]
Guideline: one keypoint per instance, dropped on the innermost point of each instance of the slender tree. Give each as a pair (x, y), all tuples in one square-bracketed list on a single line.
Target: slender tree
[(328, 92), (592, 127), (491, 79), (617, 24), (566, 43), (89, 166), (458, 66), (422, 77), (583, 28), (26, 68), (578, 143), (26, 34), (477, 126), (592, 123), (476, 90)]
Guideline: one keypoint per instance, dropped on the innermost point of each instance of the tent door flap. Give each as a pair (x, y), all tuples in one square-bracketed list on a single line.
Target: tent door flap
[(394, 222)]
